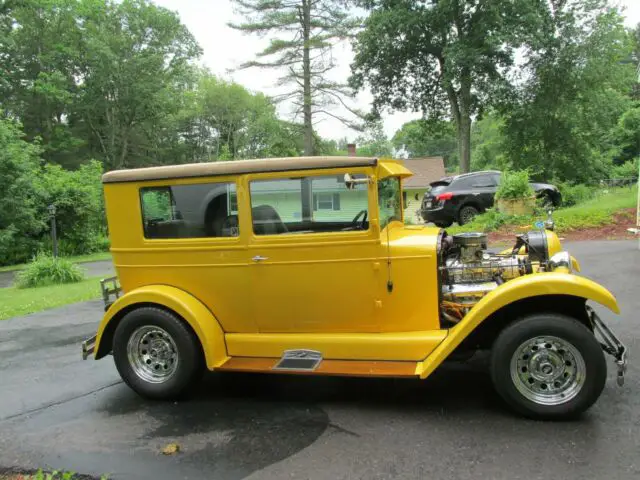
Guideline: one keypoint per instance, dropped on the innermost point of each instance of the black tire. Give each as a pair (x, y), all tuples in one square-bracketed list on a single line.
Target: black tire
[(546, 200), (576, 336), (466, 214), (443, 224), (189, 357)]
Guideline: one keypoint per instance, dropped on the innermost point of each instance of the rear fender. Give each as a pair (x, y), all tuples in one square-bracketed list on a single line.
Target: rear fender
[(192, 311), (552, 283)]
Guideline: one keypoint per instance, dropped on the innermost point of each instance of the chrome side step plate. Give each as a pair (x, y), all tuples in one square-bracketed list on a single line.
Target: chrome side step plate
[(299, 360)]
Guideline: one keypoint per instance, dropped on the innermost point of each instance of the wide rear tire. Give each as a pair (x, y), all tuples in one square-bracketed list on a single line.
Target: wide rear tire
[(548, 366), (157, 354)]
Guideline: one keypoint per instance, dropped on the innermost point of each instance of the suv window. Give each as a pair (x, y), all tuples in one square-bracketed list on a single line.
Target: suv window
[(200, 210), (484, 180), (277, 205)]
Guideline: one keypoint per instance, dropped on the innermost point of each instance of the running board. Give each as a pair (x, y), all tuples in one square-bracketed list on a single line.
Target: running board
[(349, 368)]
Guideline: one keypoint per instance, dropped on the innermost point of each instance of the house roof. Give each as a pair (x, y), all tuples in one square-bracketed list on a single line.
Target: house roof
[(425, 170), (235, 167)]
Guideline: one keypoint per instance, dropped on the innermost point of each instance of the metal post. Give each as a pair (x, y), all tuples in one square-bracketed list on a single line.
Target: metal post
[(54, 233)]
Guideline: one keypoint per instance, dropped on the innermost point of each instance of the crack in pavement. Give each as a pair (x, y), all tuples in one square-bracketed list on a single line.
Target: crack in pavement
[(59, 402)]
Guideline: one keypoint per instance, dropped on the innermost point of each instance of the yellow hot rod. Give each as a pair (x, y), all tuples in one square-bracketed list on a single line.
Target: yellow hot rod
[(305, 266)]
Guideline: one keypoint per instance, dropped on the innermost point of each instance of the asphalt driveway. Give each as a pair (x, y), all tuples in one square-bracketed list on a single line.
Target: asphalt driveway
[(59, 412)]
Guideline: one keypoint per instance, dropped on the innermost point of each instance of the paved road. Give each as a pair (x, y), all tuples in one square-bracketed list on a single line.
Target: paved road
[(60, 412), (102, 268)]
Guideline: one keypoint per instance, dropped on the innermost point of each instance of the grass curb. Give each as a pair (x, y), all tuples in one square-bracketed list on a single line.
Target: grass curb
[(16, 302)]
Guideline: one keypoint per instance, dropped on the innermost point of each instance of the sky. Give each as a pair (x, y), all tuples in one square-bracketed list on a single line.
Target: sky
[(224, 49)]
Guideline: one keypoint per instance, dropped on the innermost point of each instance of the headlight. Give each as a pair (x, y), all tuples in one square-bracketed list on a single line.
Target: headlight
[(561, 259)]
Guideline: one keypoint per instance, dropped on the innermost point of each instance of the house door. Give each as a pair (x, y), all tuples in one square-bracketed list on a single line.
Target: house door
[(315, 258)]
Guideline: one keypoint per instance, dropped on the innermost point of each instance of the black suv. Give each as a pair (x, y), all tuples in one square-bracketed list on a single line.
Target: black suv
[(462, 197)]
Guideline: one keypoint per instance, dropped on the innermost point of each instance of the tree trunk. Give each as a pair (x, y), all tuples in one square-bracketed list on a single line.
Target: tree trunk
[(464, 142), (309, 147), (464, 122)]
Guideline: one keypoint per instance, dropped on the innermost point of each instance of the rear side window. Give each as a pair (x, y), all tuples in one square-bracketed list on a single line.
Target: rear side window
[(200, 210)]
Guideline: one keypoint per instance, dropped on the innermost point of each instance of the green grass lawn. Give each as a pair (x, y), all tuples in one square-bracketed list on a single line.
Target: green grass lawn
[(92, 257), (592, 213), (15, 301)]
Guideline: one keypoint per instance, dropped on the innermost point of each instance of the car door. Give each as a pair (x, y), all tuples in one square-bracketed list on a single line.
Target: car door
[(313, 254), (484, 188)]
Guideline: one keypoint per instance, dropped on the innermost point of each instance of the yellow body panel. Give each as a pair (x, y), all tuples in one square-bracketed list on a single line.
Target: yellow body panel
[(201, 320), (551, 283), (369, 295), (402, 346)]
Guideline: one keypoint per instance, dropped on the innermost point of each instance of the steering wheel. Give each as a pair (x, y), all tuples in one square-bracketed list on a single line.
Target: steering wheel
[(360, 224)]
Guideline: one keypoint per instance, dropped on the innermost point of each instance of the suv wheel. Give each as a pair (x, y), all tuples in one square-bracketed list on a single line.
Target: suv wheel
[(156, 354), (548, 366), (466, 214)]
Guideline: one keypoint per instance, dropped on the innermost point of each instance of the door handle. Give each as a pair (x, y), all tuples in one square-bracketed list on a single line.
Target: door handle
[(259, 258)]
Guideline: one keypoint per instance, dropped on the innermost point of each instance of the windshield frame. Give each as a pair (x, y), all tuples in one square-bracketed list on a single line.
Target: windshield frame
[(388, 188)]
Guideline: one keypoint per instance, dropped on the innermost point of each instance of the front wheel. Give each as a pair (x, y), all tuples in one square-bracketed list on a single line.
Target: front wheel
[(156, 353), (548, 366)]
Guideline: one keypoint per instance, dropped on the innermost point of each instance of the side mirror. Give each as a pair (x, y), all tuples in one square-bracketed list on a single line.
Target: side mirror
[(350, 181)]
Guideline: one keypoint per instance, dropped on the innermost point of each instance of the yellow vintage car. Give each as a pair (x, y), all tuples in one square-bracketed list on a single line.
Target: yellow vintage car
[(305, 266)]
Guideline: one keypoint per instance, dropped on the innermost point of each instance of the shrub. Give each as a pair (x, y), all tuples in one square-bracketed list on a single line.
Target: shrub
[(47, 270), (575, 194), (514, 184), (626, 171)]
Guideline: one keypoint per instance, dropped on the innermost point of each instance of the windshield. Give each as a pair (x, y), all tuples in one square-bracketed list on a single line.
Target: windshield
[(389, 200)]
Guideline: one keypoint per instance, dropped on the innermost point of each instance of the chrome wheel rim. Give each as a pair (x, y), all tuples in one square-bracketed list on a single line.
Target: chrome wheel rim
[(152, 354), (548, 370)]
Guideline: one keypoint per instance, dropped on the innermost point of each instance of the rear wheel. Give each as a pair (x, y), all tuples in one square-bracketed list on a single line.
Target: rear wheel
[(466, 214), (156, 354), (548, 366)]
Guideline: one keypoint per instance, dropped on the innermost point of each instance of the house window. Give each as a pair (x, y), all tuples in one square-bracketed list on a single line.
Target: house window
[(327, 201)]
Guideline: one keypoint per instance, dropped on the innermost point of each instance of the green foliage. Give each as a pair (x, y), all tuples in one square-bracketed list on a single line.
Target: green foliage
[(487, 144), (592, 213), (55, 475), (21, 219), (426, 138), (627, 170), (374, 143), (446, 59), (47, 270), (576, 88), (514, 184), (575, 194)]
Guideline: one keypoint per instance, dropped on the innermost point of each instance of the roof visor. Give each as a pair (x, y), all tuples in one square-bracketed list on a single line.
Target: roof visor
[(392, 168)]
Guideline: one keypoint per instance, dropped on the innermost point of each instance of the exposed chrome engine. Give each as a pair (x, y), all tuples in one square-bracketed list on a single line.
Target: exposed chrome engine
[(469, 271)]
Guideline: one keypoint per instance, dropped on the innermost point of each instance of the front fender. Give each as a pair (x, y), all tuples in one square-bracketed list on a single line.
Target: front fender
[(552, 283), (192, 310)]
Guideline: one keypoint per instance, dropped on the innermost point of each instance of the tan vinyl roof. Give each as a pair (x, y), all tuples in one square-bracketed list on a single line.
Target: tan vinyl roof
[(234, 167)]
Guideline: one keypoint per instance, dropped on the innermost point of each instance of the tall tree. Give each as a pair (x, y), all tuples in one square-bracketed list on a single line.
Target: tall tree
[(302, 35), (134, 59), (422, 138), (445, 58), (576, 85)]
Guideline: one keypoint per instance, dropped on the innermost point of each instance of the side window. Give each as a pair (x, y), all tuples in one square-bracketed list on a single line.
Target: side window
[(484, 181), (200, 210), (308, 205)]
